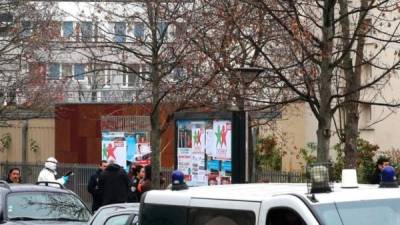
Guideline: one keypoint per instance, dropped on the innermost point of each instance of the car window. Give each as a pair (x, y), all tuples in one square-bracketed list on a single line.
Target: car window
[(102, 215), (117, 220), (153, 214), (210, 216), (284, 216), (135, 220), (45, 205), (369, 212)]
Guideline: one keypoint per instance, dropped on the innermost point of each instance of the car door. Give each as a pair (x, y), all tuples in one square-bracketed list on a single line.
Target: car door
[(286, 210)]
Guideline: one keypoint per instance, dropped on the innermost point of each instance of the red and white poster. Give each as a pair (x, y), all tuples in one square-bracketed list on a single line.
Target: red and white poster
[(114, 147)]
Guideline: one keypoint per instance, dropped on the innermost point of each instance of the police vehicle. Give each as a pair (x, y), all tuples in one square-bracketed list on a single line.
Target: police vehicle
[(319, 202)]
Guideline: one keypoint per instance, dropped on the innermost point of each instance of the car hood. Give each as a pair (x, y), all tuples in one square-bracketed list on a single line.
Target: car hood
[(44, 222)]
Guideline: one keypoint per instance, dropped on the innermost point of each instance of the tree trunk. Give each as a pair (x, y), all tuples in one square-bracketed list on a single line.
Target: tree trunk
[(155, 136), (353, 83), (325, 112), (323, 137)]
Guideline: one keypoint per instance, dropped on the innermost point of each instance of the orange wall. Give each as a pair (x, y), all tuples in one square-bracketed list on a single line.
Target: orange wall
[(78, 131)]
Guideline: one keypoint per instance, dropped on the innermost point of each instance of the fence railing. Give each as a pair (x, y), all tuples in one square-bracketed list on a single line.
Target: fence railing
[(82, 173)]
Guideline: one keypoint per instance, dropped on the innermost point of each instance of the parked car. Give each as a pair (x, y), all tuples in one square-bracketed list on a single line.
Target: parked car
[(116, 214), (40, 204)]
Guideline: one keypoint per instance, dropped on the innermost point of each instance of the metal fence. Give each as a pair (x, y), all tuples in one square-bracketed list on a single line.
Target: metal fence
[(82, 173), (269, 176)]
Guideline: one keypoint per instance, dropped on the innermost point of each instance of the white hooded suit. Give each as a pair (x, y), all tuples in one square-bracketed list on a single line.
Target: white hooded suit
[(48, 173)]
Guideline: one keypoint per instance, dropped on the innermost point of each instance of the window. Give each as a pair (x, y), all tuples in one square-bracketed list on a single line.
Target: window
[(284, 216), (66, 70), (117, 220), (79, 71), (365, 115), (162, 30), (67, 29), (365, 212), (96, 77), (119, 30), (179, 74), (87, 31), (37, 73), (54, 71), (45, 206), (53, 30), (6, 20), (164, 214), (207, 216), (132, 75), (180, 30), (138, 30), (366, 74), (26, 28)]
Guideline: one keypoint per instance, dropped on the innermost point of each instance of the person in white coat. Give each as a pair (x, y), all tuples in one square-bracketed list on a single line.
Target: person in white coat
[(48, 173)]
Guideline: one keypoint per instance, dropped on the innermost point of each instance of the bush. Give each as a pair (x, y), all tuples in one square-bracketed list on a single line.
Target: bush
[(365, 159), (269, 154)]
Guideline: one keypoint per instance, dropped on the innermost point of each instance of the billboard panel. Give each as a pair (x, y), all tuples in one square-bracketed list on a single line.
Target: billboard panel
[(204, 151)]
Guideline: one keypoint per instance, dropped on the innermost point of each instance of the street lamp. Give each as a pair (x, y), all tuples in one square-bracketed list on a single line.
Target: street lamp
[(246, 75)]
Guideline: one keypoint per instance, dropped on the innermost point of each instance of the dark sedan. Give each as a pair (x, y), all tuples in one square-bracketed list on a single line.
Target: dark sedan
[(40, 204)]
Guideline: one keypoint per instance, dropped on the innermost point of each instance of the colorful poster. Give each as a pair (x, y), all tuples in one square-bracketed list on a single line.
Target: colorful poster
[(205, 157), (185, 163), (126, 148), (223, 133), (114, 147), (198, 154)]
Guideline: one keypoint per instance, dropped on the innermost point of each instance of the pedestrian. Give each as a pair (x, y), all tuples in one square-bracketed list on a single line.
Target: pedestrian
[(381, 163), (92, 187), (14, 176), (49, 172), (134, 195), (178, 181), (388, 178), (113, 185), (145, 183)]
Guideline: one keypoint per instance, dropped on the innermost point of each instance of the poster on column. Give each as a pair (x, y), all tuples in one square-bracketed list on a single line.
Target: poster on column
[(114, 147), (184, 151), (219, 152), (142, 149), (223, 134), (198, 154)]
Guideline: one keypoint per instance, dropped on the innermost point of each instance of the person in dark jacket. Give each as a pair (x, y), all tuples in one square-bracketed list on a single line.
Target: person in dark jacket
[(93, 186), (114, 184), (381, 163), (134, 193)]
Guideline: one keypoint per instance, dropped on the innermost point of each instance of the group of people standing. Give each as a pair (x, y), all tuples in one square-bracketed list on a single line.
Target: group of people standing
[(111, 184)]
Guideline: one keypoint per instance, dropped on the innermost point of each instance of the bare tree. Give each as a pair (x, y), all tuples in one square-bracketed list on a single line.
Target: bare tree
[(146, 46), (326, 42), (23, 32)]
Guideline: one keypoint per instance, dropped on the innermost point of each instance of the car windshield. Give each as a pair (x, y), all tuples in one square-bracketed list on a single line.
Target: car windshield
[(46, 206), (366, 212)]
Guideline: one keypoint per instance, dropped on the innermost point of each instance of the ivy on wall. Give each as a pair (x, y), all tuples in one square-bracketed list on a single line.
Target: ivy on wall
[(5, 142)]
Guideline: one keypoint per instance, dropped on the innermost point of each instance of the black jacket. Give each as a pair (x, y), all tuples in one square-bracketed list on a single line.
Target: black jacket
[(92, 188), (114, 185), (134, 195), (376, 177)]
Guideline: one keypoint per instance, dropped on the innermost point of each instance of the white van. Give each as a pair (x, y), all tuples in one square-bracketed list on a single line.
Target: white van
[(272, 204)]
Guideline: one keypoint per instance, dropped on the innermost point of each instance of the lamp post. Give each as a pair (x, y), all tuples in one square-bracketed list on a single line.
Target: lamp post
[(245, 76)]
